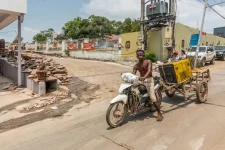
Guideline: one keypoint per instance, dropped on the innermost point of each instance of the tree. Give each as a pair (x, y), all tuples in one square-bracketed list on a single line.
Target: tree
[(98, 27), (93, 27), (127, 25), (72, 28), (40, 37), (135, 26), (60, 37), (117, 27), (44, 35), (15, 41), (130, 26)]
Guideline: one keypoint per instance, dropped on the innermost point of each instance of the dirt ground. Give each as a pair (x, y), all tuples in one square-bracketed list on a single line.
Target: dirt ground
[(104, 74), (79, 91)]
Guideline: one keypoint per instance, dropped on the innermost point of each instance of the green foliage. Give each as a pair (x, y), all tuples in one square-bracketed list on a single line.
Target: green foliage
[(15, 41), (60, 37), (92, 27), (40, 37), (98, 27), (43, 35), (150, 56)]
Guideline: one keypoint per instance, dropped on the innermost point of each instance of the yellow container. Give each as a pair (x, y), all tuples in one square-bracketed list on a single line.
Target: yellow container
[(176, 72)]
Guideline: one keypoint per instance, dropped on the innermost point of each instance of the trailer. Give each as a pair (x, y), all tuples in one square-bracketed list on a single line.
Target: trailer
[(182, 78)]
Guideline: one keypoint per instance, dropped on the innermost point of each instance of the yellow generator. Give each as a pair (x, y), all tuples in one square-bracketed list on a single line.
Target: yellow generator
[(176, 72)]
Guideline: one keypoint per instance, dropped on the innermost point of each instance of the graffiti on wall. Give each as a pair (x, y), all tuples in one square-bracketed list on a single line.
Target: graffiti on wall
[(55, 46), (88, 46), (72, 46), (108, 43), (127, 45)]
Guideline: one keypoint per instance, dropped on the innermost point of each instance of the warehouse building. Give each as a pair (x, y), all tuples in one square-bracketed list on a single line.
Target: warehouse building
[(220, 31), (156, 41)]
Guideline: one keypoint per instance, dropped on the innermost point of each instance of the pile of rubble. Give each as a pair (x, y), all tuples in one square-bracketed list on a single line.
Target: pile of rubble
[(32, 63)]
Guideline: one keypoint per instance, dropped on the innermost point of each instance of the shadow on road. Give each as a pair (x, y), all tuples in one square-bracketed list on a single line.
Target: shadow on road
[(214, 104), (177, 102)]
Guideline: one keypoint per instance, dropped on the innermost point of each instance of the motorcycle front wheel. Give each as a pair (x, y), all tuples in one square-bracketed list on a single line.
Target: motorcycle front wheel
[(116, 113)]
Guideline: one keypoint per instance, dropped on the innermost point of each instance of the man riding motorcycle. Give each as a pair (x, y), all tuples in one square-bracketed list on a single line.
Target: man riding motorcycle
[(145, 69)]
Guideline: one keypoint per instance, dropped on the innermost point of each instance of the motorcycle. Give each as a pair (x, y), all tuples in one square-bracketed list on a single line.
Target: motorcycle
[(131, 99)]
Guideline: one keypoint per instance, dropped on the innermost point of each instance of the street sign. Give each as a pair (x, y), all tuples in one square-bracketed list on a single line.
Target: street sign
[(167, 42), (194, 40)]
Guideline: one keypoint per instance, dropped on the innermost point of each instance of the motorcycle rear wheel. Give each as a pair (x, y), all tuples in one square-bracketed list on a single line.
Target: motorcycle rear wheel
[(116, 114)]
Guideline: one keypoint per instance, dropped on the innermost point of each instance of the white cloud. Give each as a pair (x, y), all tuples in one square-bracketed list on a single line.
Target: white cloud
[(30, 30), (189, 12), (113, 9)]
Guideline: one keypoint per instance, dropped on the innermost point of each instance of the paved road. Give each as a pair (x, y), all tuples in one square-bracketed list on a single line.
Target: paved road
[(186, 125)]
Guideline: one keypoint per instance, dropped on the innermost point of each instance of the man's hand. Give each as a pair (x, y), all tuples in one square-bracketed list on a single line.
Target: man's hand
[(142, 78)]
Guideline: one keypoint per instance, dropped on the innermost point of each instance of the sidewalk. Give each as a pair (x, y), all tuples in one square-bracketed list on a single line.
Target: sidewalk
[(10, 97)]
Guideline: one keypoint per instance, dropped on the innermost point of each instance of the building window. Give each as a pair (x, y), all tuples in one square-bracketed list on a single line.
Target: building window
[(182, 43)]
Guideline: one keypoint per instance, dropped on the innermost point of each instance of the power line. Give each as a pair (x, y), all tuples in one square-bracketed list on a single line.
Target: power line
[(8, 31), (190, 4), (215, 11)]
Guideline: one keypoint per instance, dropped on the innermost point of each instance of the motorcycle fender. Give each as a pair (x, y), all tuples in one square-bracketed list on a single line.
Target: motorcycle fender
[(119, 98), (157, 87)]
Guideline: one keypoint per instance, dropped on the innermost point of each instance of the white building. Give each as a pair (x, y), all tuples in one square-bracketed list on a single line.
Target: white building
[(10, 11)]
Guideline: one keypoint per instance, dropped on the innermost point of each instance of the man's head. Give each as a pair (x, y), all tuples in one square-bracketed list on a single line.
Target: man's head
[(140, 55), (183, 52)]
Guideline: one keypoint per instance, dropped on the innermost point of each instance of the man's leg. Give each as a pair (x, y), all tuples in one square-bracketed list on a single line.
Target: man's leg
[(155, 102)]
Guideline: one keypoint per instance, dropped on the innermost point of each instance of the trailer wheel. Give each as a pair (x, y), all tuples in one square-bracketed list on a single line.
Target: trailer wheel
[(202, 92)]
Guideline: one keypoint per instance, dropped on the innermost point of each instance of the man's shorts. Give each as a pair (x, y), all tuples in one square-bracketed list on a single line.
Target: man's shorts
[(149, 83)]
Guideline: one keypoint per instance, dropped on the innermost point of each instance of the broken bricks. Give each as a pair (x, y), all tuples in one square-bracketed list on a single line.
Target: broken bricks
[(52, 69)]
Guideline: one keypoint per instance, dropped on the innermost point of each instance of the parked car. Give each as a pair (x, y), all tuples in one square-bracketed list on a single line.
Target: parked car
[(220, 52), (206, 54)]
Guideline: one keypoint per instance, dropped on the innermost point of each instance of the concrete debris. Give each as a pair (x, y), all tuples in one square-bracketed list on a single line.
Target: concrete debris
[(54, 108), (39, 65), (11, 88), (41, 103), (6, 87)]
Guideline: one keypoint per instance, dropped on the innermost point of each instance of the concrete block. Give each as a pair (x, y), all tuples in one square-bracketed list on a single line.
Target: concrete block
[(35, 87), (29, 84), (42, 88)]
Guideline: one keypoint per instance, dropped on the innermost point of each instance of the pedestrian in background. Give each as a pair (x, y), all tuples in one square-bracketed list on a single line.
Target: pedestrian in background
[(183, 54)]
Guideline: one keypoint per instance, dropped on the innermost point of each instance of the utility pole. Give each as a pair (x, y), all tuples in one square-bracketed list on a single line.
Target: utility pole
[(203, 19), (142, 23), (200, 34), (172, 23)]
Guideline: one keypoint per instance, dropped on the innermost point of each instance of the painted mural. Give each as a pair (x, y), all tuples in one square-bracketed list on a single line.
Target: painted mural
[(55, 46), (72, 46)]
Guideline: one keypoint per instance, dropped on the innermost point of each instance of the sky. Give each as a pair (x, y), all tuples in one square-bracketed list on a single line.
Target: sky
[(45, 14)]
